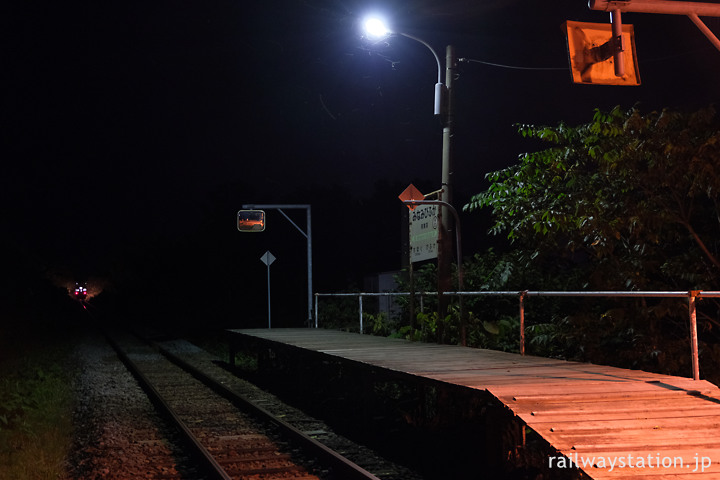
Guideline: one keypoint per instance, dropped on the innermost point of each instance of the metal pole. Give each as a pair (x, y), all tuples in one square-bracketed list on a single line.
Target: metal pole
[(443, 107), (693, 333), (309, 267), (619, 56), (693, 10), (429, 47), (523, 294), (308, 236), (670, 7), (361, 312), (411, 274), (268, 290), (446, 193), (705, 30), (316, 310)]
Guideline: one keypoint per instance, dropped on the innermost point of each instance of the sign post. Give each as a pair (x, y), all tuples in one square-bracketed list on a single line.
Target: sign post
[(423, 234), (268, 259), (308, 236), (463, 320)]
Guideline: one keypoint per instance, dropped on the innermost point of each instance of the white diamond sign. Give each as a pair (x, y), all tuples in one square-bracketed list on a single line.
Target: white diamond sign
[(268, 258)]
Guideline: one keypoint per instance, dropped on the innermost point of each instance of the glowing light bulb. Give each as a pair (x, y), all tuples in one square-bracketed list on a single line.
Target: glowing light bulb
[(375, 27)]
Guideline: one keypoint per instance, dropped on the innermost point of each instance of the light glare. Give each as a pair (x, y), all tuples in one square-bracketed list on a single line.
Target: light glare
[(376, 27)]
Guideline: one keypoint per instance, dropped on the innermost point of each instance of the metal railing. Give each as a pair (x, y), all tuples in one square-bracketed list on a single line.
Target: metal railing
[(691, 295), (360, 296)]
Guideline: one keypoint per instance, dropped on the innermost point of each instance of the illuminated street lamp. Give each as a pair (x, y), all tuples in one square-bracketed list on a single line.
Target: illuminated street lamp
[(376, 28), (442, 108)]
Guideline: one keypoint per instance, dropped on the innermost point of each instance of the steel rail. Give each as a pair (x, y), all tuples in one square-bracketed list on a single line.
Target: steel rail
[(346, 469), (215, 468)]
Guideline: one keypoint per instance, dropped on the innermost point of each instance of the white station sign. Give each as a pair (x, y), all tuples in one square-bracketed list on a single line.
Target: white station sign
[(423, 233)]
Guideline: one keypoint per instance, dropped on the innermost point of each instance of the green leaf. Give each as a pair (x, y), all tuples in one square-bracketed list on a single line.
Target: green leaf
[(491, 327)]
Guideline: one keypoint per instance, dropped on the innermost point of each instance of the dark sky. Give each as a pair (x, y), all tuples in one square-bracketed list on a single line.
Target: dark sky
[(125, 122)]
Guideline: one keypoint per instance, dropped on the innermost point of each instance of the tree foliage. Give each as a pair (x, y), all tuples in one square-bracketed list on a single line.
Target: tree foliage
[(628, 201), (636, 195)]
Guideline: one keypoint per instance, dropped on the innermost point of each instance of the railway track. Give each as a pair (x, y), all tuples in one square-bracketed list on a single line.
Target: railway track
[(230, 435)]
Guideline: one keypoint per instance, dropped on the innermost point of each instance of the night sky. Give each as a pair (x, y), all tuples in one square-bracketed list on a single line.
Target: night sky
[(138, 129)]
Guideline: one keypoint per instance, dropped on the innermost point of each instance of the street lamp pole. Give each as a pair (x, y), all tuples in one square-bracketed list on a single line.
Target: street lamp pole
[(444, 236), (443, 109)]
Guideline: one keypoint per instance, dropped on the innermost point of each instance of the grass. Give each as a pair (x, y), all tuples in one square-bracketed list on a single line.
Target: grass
[(35, 409)]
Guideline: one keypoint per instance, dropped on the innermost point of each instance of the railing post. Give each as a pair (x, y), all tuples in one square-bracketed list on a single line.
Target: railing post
[(361, 312), (692, 309), (316, 309), (523, 294)]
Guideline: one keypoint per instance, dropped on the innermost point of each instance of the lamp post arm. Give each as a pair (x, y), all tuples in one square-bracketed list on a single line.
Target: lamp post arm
[(437, 58)]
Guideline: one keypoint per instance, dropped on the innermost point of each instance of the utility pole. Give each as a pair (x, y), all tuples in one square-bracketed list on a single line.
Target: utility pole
[(444, 234), (443, 109)]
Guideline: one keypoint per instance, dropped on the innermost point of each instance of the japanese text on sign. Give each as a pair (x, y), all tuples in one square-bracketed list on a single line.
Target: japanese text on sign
[(423, 233)]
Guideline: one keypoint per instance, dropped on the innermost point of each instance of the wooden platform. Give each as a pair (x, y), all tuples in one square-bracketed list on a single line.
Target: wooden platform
[(610, 422)]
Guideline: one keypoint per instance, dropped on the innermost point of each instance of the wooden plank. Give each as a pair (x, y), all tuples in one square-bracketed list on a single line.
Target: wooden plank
[(611, 416), (674, 401), (651, 456), (605, 441), (661, 445), (678, 422), (580, 409), (539, 392), (631, 434)]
